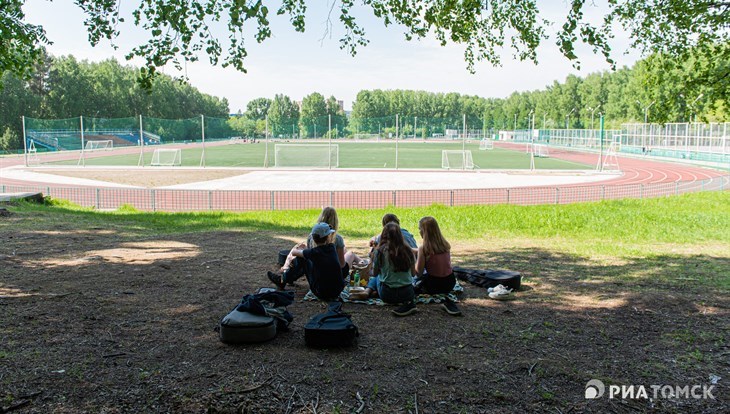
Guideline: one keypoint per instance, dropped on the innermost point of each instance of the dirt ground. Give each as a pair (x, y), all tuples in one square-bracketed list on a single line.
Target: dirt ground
[(149, 178), (103, 319)]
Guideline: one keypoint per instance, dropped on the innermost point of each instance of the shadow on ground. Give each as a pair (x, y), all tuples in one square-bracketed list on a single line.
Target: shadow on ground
[(105, 320)]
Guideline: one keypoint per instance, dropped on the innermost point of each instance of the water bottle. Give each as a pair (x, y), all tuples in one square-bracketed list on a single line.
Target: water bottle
[(356, 280)]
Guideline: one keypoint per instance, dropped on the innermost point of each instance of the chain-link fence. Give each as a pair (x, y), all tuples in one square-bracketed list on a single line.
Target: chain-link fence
[(210, 200)]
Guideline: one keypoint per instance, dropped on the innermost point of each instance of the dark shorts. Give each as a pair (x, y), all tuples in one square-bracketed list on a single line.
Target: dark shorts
[(436, 285)]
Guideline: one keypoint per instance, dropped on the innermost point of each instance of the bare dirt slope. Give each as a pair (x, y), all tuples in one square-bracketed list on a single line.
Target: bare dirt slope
[(103, 319)]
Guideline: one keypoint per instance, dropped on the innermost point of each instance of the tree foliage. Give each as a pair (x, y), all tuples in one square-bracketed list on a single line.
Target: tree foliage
[(64, 87), (185, 30)]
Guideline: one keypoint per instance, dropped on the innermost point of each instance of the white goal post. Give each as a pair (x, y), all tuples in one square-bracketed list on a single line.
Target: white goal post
[(456, 159), (166, 157), (486, 144), (307, 155), (95, 145), (540, 150)]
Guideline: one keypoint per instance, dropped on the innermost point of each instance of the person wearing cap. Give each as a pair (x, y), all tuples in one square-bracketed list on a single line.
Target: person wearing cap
[(319, 264)]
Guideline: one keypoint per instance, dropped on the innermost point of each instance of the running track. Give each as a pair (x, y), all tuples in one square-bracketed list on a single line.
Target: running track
[(641, 178)]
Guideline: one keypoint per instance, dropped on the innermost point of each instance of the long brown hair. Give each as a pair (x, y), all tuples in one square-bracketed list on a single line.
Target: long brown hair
[(393, 246), (433, 241), (329, 216)]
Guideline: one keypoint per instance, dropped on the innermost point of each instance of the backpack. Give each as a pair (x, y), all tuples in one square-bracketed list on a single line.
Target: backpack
[(257, 318), (330, 329), (245, 327)]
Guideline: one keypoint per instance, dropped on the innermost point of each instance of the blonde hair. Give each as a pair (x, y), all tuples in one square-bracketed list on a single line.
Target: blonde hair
[(433, 241), (329, 216)]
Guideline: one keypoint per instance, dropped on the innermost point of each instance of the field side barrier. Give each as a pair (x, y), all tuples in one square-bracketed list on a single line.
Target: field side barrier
[(104, 198)]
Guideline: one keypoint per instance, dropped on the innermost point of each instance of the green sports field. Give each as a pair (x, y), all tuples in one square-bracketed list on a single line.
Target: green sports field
[(351, 155)]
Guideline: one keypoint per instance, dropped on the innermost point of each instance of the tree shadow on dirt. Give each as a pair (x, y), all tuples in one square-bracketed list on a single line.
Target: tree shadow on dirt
[(113, 321)]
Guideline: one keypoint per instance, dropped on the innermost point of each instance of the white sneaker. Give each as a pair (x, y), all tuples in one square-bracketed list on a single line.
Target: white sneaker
[(496, 288), (502, 294)]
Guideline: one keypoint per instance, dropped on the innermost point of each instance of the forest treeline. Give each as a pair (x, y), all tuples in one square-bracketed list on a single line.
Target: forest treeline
[(656, 88)]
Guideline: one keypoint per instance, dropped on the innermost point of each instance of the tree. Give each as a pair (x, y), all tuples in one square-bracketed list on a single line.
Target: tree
[(314, 115), (283, 116), (180, 30), (258, 108), (20, 42), (10, 141)]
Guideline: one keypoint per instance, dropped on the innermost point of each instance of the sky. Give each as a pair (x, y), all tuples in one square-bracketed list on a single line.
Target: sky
[(297, 64)]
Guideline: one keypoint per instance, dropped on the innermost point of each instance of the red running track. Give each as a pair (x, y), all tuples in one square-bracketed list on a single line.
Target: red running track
[(641, 178)]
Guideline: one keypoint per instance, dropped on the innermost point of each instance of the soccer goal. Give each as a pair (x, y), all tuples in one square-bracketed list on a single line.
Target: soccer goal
[(367, 136), (96, 145), (540, 150), (456, 159), (166, 157), (33, 154), (307, 155), (486, 144)]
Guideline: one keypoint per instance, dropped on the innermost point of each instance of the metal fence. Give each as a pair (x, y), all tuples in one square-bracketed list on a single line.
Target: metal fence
[(208, 200)]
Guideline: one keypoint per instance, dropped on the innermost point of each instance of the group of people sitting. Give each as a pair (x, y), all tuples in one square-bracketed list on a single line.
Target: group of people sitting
[(400, 268)]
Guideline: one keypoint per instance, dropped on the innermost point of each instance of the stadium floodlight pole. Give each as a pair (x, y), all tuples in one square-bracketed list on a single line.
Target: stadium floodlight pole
[(593, 110), (600, 157), (567, 119), (396, 141), (692, 105), (83, 158), (329, 141), (266, 140), (25, 142), (141, 143), (202, 134), (463, 147)]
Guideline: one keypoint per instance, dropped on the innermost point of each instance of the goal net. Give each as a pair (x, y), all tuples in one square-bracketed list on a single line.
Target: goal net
[(486, 144), (367, 136), (307, 155), (166, 157), (33, 154), (94, 145), (456, 159), (541, 150)]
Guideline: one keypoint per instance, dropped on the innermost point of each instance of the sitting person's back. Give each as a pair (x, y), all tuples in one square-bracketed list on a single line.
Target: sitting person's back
[(326, 279), (320, 264)]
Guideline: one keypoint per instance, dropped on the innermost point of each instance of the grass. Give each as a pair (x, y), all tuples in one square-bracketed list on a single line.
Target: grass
[(351, 155), (652, 229)]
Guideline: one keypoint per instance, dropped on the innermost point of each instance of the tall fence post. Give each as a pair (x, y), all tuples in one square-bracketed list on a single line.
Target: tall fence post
[(603, 192), (210, 200), (557, 195), (452, 198), (676, 187), (98, 198), (508, 196), (272, 201), (153, 195), (394, 199), (332, 196), (641, 191)]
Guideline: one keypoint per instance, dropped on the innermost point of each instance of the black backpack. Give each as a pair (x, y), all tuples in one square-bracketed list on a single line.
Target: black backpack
[(331, 329)]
